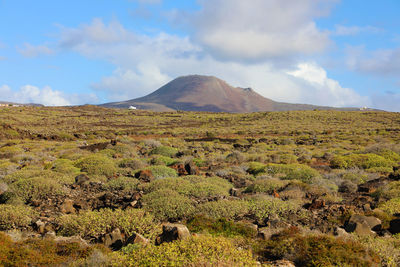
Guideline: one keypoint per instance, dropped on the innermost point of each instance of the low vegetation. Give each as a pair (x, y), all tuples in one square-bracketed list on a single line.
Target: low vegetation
[(79, 182)]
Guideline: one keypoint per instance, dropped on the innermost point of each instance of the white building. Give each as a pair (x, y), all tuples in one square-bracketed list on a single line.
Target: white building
[(132, 108)]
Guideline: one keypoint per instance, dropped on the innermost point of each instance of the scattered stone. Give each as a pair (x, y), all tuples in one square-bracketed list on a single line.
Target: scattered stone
[(234, 192), (40, 226), (71, 239), (145, 176), (172, 232), (114, 240), (265, 233), (192, 168), (81, 179), (137, 239), (340, 232), (180, 168), (362, 225), (3, 188), (317, 204), (395, 226), (67, 207), (367, 207)]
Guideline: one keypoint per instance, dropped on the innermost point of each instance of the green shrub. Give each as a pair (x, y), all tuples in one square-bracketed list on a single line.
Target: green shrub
[(193, 186), (317, 250), (122, 183), (262, 207), (36, 189), (168, 205), (163, 160), (220, 227), (370, 162), (164, 151), (65, 166), (12, 217), (160, 171), (97, 164), (196, 251), (265, 185), (228, 209), (256, 168), (41, 252), (391, 206), (133, 164), (94, 224), (299, 172)]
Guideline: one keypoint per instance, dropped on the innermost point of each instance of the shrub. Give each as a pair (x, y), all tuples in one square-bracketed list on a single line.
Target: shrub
[(391, 206), (256, 168), (133, 164), (164, 151), (193, 186), (122, 183), (97, 164), (12, 217), (369, 162), (168, 205), (196, 251), (37, 252), (299, 172), (317, 250), (228, 209), (93, 224), (386, 247), (65, 166), (163, 160), (36, 189), (265, 185), (160, 171), (262, 207), (220, 227), (391, 190)]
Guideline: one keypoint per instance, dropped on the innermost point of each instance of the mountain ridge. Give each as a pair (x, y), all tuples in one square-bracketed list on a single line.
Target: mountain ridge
[(209, 93)]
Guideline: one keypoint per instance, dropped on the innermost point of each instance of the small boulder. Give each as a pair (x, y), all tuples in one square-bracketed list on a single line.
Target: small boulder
[(145, 176), (137, 239), (114, 240), (40, 226), (3, 188), (234, 192), (340, 232), (394, 226), (67, 207), (192, 168), (317, 204), (363, 225), (172, 232), (81, 179)]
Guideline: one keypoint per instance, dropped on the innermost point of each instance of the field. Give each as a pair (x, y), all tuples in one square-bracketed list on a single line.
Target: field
[(90, 186)]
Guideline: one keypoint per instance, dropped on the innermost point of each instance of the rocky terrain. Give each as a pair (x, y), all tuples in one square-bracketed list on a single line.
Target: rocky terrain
[(90, 186)]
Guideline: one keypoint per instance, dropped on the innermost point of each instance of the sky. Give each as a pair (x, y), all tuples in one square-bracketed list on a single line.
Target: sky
[(325, 52)]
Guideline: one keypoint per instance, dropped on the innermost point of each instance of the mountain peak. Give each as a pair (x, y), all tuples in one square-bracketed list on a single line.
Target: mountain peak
[(208, 93)]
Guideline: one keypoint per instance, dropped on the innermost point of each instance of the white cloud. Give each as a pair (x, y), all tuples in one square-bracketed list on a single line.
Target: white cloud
[(379, 62), (388, 101), (257, 30), (326, 91), (29, 50), (144, 63), (341, 30), (46, 96)]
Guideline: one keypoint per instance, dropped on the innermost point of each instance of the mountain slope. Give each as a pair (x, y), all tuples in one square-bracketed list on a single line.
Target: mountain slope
[(207, 93)]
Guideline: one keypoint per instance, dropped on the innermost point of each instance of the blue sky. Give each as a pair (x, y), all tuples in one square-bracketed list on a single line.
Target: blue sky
[(326, 52)]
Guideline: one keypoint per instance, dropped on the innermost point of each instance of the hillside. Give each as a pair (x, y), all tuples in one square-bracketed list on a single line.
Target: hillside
[(208, 93)]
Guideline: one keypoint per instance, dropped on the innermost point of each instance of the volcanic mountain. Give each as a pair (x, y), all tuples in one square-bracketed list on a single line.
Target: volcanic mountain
[(208, 93)]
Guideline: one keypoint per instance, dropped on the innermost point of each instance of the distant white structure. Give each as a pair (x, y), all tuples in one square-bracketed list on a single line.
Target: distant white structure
[(364, 108), (132, 108)]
